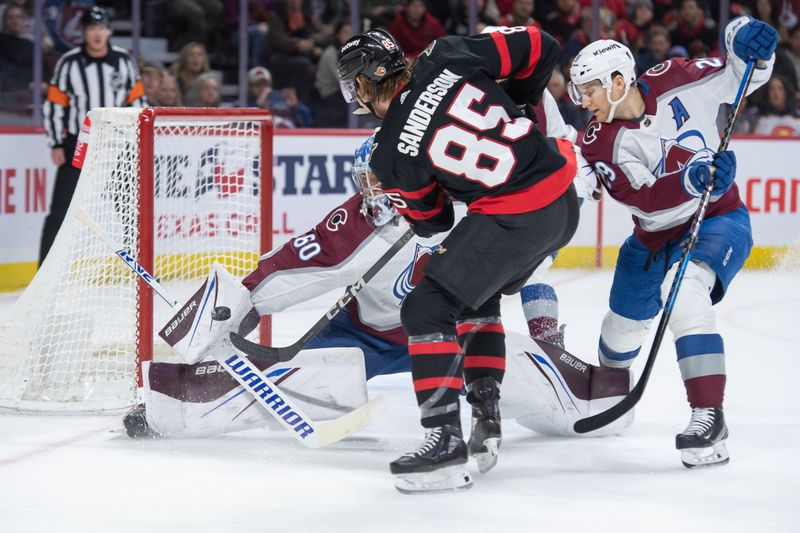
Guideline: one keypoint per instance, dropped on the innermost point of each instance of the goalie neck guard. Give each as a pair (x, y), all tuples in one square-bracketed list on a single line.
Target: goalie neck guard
[(375, 205)]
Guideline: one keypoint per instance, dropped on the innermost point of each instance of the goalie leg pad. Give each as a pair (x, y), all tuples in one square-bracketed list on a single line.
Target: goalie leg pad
[(201, 324), (547, 389)]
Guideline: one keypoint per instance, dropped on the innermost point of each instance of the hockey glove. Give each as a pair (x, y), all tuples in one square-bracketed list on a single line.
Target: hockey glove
[(755, 41), (697, 175)]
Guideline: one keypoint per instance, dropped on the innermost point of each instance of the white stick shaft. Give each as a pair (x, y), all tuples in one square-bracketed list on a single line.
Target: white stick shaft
[(118, 249)]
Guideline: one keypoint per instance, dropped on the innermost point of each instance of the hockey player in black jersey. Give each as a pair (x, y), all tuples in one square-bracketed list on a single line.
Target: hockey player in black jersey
[(451, 132)]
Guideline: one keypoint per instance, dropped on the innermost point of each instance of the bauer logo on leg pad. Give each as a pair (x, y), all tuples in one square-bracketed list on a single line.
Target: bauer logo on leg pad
[(250, 378)]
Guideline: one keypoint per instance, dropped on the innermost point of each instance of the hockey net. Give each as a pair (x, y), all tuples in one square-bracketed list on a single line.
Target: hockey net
[(180, 189)]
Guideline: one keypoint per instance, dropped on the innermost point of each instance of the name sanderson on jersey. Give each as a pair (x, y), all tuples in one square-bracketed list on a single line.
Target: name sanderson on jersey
[(424, 107)]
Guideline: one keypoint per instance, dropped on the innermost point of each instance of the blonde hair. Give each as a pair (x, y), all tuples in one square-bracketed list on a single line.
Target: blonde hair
[(388, 87), (180, 70)]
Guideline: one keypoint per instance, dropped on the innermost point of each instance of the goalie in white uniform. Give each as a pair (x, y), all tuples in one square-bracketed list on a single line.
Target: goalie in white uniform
[(546, 389)]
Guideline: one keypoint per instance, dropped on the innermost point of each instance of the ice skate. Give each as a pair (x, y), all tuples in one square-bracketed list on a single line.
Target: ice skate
[(438, 465), (702, 443), (486, 436)]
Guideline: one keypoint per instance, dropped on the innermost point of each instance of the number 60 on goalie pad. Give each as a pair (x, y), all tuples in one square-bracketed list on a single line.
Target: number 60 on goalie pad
[(194, 332)]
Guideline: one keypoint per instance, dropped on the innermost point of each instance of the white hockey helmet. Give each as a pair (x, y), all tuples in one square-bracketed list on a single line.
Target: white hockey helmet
[(375, 205), (599, 61)]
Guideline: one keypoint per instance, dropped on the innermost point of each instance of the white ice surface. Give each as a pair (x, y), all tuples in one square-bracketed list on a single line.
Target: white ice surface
[(80, 474)]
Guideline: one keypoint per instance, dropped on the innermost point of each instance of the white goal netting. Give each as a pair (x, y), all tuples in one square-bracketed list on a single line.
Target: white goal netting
[(74, 338)]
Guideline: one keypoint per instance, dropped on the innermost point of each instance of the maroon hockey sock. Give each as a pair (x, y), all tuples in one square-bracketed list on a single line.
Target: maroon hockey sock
[(705, 391)]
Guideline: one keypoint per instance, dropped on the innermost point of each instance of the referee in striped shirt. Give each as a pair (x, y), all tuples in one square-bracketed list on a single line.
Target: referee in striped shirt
[(95, 74)]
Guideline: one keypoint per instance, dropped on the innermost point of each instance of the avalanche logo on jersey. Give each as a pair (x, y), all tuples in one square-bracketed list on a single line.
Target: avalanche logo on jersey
[(677, 153), (413, 273)]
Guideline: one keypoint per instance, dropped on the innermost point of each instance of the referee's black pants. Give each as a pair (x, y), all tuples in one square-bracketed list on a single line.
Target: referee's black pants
[(66, 180)]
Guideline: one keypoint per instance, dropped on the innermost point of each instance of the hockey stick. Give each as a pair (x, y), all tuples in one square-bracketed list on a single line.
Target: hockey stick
[(584, 425), (285, 353), (311, 434)]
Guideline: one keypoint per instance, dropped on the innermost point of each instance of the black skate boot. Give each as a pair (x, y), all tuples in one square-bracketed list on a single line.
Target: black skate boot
[(484, 441), (438, 465), (702, 443)]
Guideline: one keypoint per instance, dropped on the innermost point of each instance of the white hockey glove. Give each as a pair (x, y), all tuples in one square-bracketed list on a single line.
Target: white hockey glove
[(201, 324)]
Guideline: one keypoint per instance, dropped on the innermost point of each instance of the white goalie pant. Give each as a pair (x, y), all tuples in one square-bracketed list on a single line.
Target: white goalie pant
[(193, 332)]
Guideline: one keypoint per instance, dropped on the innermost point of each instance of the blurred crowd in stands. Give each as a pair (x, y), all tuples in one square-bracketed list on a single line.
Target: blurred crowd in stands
[(294, 46)]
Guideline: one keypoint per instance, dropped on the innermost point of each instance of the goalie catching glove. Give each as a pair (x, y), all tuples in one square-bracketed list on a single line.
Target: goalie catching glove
[(216, 309)]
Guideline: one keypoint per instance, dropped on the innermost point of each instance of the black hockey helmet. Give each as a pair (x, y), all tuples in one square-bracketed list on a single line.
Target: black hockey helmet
[(95, 15), (375, 54)]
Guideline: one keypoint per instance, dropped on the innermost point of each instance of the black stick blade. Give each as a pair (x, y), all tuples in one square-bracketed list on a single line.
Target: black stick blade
[(591, 423), (256, 351)]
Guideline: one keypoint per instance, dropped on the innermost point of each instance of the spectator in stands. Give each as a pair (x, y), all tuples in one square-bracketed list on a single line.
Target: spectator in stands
[(191, 20), (204, 91), (16, 56), (415, 28), (287, 110), (564, 21), (521, 15), (192, 62), (380, 12), (459, 22), (296, 46), (656, 51), (328, 15), (331, 111), (257, 28), (29, 22), (579, 39), (793, 50), (85, 77), (152, 77), (633, 31), (169, 95), (779, 115), (692, 25)]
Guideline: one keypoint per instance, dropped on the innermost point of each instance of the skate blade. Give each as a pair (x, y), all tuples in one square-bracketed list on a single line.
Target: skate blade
[(715, 455), (448, 479), (486, 460)]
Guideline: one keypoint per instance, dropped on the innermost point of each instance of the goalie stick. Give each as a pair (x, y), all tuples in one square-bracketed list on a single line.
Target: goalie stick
[(585, 425), (311, 434), (285, 353)]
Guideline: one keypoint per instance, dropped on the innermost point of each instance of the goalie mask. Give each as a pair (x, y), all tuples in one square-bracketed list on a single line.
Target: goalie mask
[(375, 205), (600, 61)]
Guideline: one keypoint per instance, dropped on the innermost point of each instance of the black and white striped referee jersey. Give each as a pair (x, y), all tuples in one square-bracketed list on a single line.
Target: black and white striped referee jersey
[(81, 83)]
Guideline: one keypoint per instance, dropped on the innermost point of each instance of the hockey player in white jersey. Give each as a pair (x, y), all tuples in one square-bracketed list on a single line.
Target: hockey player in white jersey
[(546, 388), (653, 144)]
